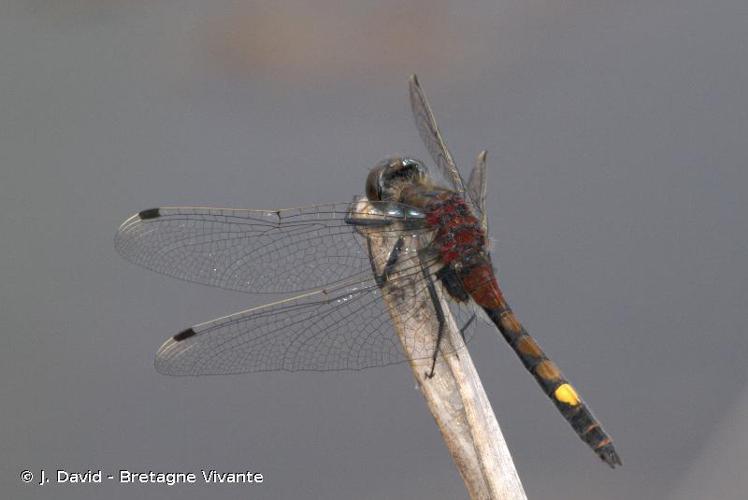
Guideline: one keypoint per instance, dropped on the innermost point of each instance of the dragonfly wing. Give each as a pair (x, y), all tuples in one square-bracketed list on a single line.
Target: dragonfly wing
[(347, 328), (476, 188), (259, 250), (316, 331), (432, 138)]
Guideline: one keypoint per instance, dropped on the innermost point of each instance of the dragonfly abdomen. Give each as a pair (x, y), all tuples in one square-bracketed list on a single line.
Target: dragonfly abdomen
[(554, 384), (460, 242)]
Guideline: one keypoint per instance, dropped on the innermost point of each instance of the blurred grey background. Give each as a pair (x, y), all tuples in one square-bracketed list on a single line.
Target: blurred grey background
[(617, 197)]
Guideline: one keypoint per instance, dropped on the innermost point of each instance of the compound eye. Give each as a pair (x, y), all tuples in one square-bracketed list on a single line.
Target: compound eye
[(373, 188), (407, 165), (416, 169), (414, 165)]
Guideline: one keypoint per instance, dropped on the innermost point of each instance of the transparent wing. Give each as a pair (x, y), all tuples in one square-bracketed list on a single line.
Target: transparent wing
[(347, 328), (476, 188), (432, 138), (260, 250)]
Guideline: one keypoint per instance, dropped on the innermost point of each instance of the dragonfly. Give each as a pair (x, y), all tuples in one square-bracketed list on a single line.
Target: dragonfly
[(338, 320)]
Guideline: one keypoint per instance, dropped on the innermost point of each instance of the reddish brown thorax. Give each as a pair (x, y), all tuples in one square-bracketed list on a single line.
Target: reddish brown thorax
[(461, 243), (458, 232)]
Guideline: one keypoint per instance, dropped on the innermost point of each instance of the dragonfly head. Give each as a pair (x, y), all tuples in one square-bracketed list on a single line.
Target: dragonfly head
[(388, 177)]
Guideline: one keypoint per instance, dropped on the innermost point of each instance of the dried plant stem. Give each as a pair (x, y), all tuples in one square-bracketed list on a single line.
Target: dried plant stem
[(455, 394)]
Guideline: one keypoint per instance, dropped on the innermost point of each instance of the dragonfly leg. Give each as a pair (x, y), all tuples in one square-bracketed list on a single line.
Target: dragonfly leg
[(466, 325), (381, 279), (452, 284), (439, 317)]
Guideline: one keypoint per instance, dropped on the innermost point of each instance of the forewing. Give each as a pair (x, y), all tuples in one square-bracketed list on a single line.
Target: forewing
[(348, 328), (259, 250), (432, 138)]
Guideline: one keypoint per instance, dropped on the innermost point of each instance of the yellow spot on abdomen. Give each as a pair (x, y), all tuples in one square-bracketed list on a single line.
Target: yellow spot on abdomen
[(566, 394)]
